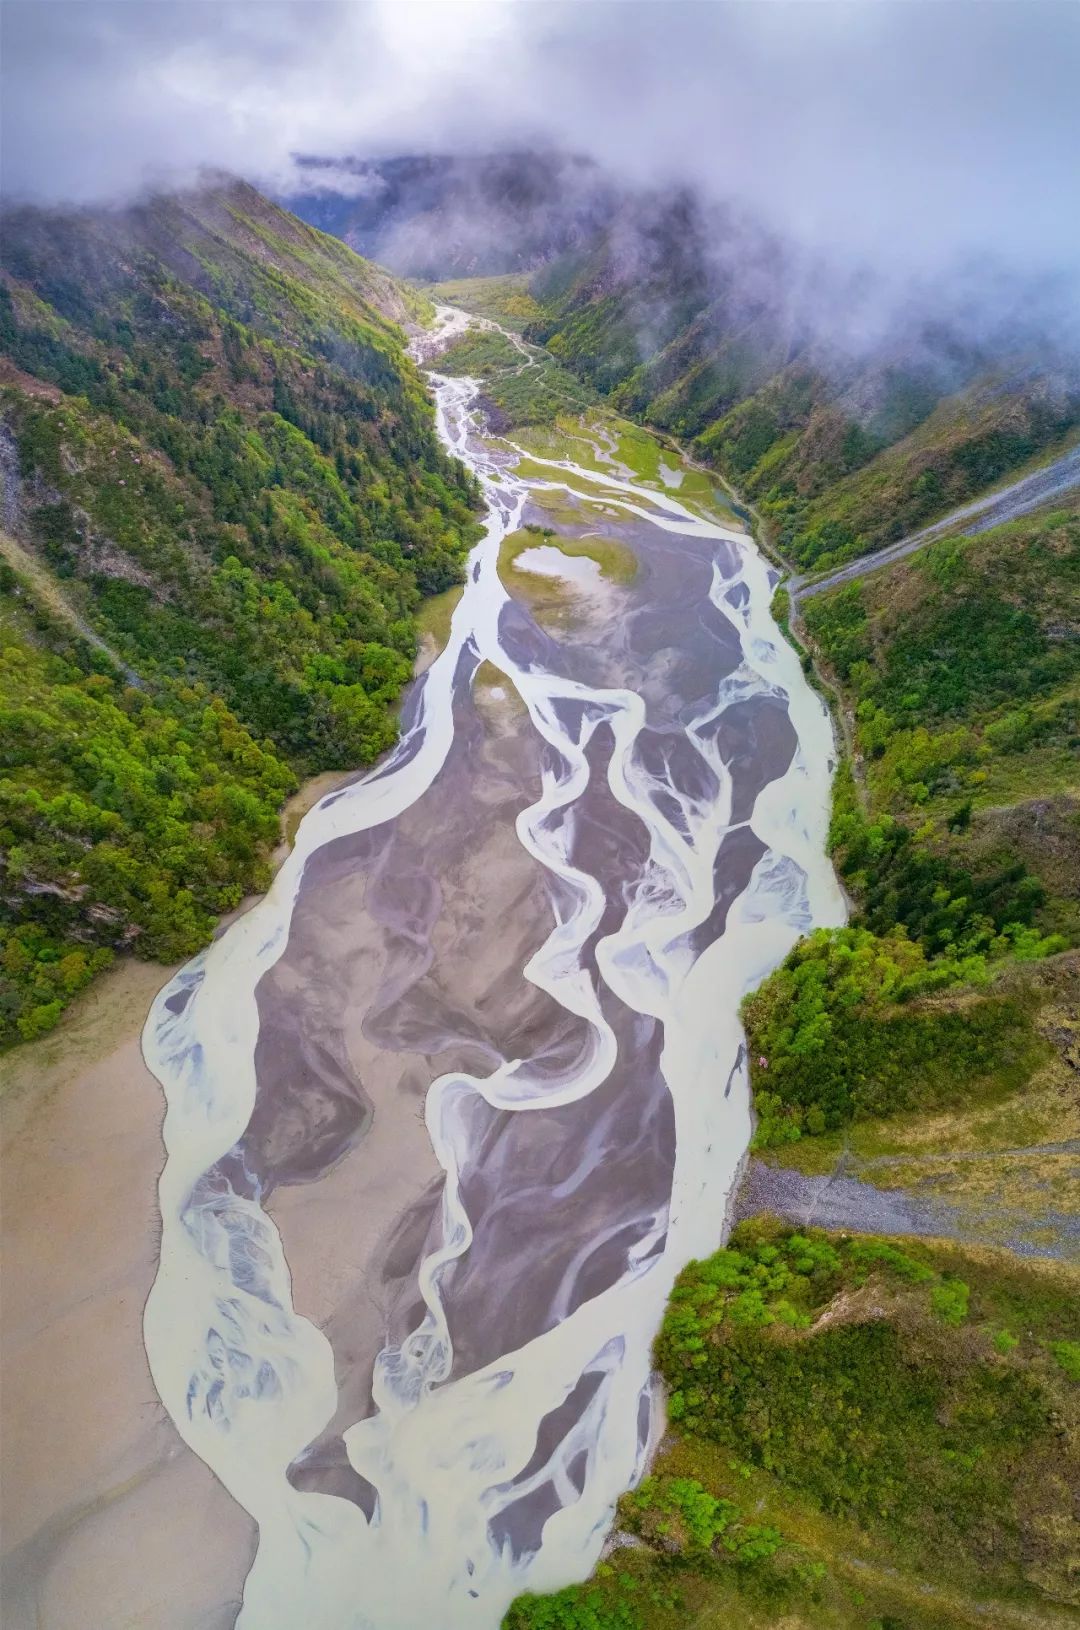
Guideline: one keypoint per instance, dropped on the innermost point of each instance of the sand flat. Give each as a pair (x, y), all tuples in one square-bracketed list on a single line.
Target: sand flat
[(103, 1507)]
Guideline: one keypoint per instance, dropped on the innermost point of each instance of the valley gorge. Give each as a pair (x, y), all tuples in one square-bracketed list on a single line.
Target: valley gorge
[(620, 866)]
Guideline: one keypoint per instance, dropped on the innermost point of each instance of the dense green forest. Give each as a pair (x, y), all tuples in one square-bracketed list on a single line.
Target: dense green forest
[(218, 456), (870, 1433), (129, 818)]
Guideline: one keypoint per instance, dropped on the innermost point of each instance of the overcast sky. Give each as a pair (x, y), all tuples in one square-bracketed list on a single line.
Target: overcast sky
[(911, 132)]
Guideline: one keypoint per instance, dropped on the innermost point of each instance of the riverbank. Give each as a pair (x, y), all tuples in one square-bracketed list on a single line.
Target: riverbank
[(102, 1505)]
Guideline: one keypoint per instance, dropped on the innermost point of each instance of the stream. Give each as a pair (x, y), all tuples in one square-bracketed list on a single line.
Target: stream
[(449, 1109)]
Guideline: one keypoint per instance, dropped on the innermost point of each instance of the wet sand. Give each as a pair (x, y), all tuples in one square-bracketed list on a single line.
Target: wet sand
[(103, 1508), (393, 931)]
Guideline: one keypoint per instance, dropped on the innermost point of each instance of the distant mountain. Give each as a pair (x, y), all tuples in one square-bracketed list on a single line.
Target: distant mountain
[(435, 216), (222, 499)]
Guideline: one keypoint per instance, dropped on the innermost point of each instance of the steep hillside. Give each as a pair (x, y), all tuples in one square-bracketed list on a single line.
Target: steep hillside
[(700, 324), (221, 481), (832, 495), (945, 1021)]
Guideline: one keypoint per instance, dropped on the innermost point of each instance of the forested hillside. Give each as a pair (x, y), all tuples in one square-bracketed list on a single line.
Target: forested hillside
[(224, 499), (957, 830), (709, 329)]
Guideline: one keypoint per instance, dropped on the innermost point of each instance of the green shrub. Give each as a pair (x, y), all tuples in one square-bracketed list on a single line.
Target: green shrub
[(837, 1032), (867, 1403), (579, 1607), (1067, 1354)]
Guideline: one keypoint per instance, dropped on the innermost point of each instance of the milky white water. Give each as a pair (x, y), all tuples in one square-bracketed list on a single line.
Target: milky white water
[(547, 561), (249, 1383)]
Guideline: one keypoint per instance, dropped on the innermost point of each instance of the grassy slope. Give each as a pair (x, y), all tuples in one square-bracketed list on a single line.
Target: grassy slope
[(870, 1433), (221, 474)]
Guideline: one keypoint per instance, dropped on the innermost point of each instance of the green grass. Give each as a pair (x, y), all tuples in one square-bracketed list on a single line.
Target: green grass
[(961, 846), (961, 667), (558, 604), (609, 445), (519, 389), (505, 299), (617, 563), (435, 615), (970, 444)]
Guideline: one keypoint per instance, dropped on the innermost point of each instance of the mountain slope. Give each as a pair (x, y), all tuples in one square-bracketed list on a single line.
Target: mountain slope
[(933, 1046), (705, 327), (440, 215), (215, 448)]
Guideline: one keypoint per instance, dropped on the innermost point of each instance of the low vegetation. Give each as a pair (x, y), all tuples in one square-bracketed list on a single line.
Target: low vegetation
[(869, 1432), (505, 298), (520, 387), (839, 1032), (960, 667)]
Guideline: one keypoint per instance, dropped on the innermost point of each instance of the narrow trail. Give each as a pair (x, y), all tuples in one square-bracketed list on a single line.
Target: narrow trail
[(540, 931)]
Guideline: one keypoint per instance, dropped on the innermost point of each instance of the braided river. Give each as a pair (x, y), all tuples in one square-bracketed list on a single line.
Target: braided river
[(450, 1108)]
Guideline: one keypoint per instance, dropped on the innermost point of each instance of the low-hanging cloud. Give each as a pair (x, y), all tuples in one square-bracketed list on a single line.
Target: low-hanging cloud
[(908, 135)]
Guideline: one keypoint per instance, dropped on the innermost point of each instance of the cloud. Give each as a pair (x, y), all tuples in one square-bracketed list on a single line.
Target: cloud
[(907, 134)]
